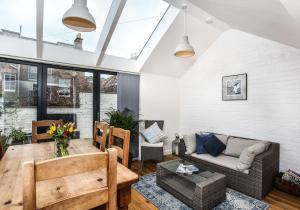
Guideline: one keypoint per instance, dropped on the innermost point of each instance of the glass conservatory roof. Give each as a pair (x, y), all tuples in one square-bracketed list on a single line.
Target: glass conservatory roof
[(138, 20), (136, 25), (56, 31)]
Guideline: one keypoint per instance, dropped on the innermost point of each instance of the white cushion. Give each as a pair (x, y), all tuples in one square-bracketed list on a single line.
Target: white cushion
[(154, 134), (222, 160), (190, 143), (248, 154), (235, 146), (146, 144)]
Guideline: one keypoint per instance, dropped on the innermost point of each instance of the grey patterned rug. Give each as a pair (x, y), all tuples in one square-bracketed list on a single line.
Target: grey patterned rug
[(165, 201)]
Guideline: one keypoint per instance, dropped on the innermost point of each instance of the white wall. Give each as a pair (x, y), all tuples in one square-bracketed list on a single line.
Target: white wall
[(159, 96), (22, 117), (272, 111)]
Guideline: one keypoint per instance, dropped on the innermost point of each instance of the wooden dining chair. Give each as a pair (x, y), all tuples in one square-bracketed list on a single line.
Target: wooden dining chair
[(123, 135), (35, 137), (100, 134), (1, 148), (59, 193)]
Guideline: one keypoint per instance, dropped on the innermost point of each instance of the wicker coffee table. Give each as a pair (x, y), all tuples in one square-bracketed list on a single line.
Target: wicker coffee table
[(203, 190)]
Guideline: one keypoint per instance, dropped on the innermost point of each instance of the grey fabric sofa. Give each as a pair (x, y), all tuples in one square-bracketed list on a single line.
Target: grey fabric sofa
[(257, 182)]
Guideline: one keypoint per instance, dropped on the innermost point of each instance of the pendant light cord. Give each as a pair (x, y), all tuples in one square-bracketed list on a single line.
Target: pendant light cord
[(184, 27)]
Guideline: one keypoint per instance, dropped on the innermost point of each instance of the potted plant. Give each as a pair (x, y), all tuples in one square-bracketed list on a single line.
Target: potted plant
[(127, 120), (16, 137)]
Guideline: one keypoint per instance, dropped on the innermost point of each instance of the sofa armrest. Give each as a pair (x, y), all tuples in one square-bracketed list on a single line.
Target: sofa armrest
[(181, 148), (268, 161), (272, 154)]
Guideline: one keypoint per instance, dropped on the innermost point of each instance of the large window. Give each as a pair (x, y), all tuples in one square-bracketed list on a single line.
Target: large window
[(18, 97), (32, 91), (70, 97), (108, 94)]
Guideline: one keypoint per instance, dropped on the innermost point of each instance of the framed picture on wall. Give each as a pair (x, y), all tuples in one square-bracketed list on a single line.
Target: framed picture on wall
[(234, 87)]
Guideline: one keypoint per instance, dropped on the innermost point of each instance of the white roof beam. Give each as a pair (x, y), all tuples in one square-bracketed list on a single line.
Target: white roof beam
[(39, 27), (110, 24)]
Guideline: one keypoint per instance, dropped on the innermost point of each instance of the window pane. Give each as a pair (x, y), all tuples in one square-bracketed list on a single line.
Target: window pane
[(136, 24), (70, 97), (108, 94), (18, 97), (18, 15), (55, 31)]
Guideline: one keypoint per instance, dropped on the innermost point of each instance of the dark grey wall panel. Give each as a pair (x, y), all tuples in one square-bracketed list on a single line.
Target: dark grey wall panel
[(129, 97)]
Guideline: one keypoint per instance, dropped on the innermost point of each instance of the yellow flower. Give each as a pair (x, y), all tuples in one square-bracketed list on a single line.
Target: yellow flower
[(50, 132), (53, 128), (71, 129)]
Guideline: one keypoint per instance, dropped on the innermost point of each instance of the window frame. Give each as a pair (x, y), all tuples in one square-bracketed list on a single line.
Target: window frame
[(42, 74), (30, 73), (5, 82)]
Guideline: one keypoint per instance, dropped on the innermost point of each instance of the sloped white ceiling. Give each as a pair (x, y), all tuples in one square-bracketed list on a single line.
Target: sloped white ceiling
[(201, 35), (277, 20)]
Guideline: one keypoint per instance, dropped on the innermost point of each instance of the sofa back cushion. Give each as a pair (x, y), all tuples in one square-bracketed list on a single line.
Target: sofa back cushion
[(190, 143), (235, 146)]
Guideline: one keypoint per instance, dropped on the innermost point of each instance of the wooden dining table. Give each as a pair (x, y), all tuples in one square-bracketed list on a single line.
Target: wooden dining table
[(11, 172)]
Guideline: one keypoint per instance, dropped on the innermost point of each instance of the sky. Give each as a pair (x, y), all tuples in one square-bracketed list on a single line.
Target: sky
[(138, 20)]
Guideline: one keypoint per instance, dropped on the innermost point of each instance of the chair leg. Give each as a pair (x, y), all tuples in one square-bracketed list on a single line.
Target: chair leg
[(141, 167)]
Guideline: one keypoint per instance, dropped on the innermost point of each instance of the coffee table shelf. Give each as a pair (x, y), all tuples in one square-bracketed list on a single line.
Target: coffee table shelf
[(202, 191)]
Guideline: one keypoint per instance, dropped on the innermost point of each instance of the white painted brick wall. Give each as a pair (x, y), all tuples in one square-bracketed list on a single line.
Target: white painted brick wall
[(272, 111), (24, 116)]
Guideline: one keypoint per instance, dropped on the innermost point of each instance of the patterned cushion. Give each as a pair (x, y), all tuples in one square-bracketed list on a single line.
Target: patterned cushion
[(154, 134), (190, 143), (291, 176)]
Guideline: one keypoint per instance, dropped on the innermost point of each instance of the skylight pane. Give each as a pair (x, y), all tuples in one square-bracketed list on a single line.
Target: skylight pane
[(55, 31), (18, 16), (136, 24)]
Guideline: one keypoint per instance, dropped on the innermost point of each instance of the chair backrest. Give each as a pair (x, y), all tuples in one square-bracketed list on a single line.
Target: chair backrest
[(100, 134), (42, 124), (1, 148), (123, 135), (67, 166), (160, 123)]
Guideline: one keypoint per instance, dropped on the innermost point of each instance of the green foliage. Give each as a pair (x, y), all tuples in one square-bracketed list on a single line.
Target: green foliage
[(16, 136), (125, 119)]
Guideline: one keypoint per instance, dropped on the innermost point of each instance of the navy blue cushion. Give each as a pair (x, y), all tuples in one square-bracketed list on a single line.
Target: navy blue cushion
[(200, 140), (214, 146)]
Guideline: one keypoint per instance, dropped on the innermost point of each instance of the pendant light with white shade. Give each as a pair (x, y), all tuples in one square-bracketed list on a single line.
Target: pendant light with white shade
[(79, 18), (184, 48)]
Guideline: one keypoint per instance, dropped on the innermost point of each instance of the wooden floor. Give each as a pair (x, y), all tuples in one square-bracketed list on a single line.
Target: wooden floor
[(277, 200)]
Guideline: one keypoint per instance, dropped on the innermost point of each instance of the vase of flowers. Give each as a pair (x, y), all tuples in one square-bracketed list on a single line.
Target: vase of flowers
[(62, 134)]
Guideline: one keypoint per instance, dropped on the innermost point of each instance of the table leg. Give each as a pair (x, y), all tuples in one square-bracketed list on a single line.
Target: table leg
[(124, 198)]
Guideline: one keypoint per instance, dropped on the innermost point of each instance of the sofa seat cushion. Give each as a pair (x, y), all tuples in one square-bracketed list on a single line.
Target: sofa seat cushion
[(147, 144), (222, 160)]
